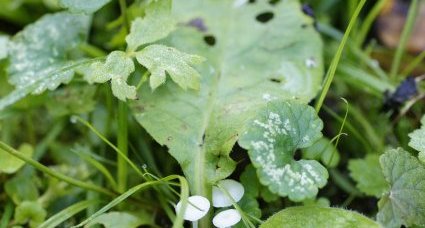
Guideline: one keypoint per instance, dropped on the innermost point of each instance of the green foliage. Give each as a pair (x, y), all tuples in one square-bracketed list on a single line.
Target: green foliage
[(417, 140), (4, 41), (309, 217), (121, 220), (159, 60), (404, 203), (250, 64), (156, 25), (368, 175), (83, 6), (10, 164), (38, 55), (323, 150), (273, 136), (30, 212), (117, 67)]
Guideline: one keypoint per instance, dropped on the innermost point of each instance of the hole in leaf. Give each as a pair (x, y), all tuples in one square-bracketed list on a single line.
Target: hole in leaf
[(210, 40), (297, 155), (275, 80), (264, 17)]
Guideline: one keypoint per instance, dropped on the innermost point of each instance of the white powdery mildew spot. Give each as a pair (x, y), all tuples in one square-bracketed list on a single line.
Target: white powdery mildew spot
[(288, 178), (267, 97), (310, 62)]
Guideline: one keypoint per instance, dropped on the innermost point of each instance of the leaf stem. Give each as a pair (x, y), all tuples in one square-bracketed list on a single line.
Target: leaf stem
[(122, 146), (123, 8), (6, 148)]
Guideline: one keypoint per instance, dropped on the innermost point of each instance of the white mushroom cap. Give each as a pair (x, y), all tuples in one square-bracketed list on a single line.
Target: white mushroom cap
[(195, 213), (226, 218), (234, 188)]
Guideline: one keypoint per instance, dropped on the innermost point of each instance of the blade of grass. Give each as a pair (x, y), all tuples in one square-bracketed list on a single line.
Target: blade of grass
[(6, 148), (184, 195), (334, 64), (101, 168), (413, 64), (405, 35), (368, 21), (122, 146), (67, 213), (7, 215)]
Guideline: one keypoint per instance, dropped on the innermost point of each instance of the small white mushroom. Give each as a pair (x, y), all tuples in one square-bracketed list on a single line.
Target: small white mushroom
[(226, 218), (234, 189), (196, 209)]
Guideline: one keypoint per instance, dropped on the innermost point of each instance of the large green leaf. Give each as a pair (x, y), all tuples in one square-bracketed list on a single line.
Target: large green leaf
[(39, 54), (83, 6), (273, 136), (404, 203), (312, 217), (249, 64), (368, 175)]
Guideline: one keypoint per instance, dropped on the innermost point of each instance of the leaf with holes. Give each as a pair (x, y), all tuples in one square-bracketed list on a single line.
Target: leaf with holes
[(160, 59), (368, 175), (250, 64), (83, 6), (308, 216), (39, 54), (156, 25), (404, 203), (273, 136), (117, 67)]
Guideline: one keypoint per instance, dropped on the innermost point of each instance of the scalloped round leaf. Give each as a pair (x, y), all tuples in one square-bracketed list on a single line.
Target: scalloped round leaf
[(311, 217), (404, 204), (368, 175), (39, 54), (273, 136)]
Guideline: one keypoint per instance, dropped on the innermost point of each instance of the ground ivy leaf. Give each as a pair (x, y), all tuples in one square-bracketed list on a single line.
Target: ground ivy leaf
[(122, 220), (417, 140), (117, 67), (11, 164), (30, 211), (404, 204), (160, 59), (368, 175), (273, 136), (83, 6), (311, 216), (38, 54), (250, 64), (156, 24)]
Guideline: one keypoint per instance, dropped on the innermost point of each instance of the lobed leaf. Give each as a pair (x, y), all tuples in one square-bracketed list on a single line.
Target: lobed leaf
[(248, 58), (311, 217), (368, 175), (160, 59), (39, 54), (83, 6), (117, 67), (273, 136), (404, 203), (156, 25)]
